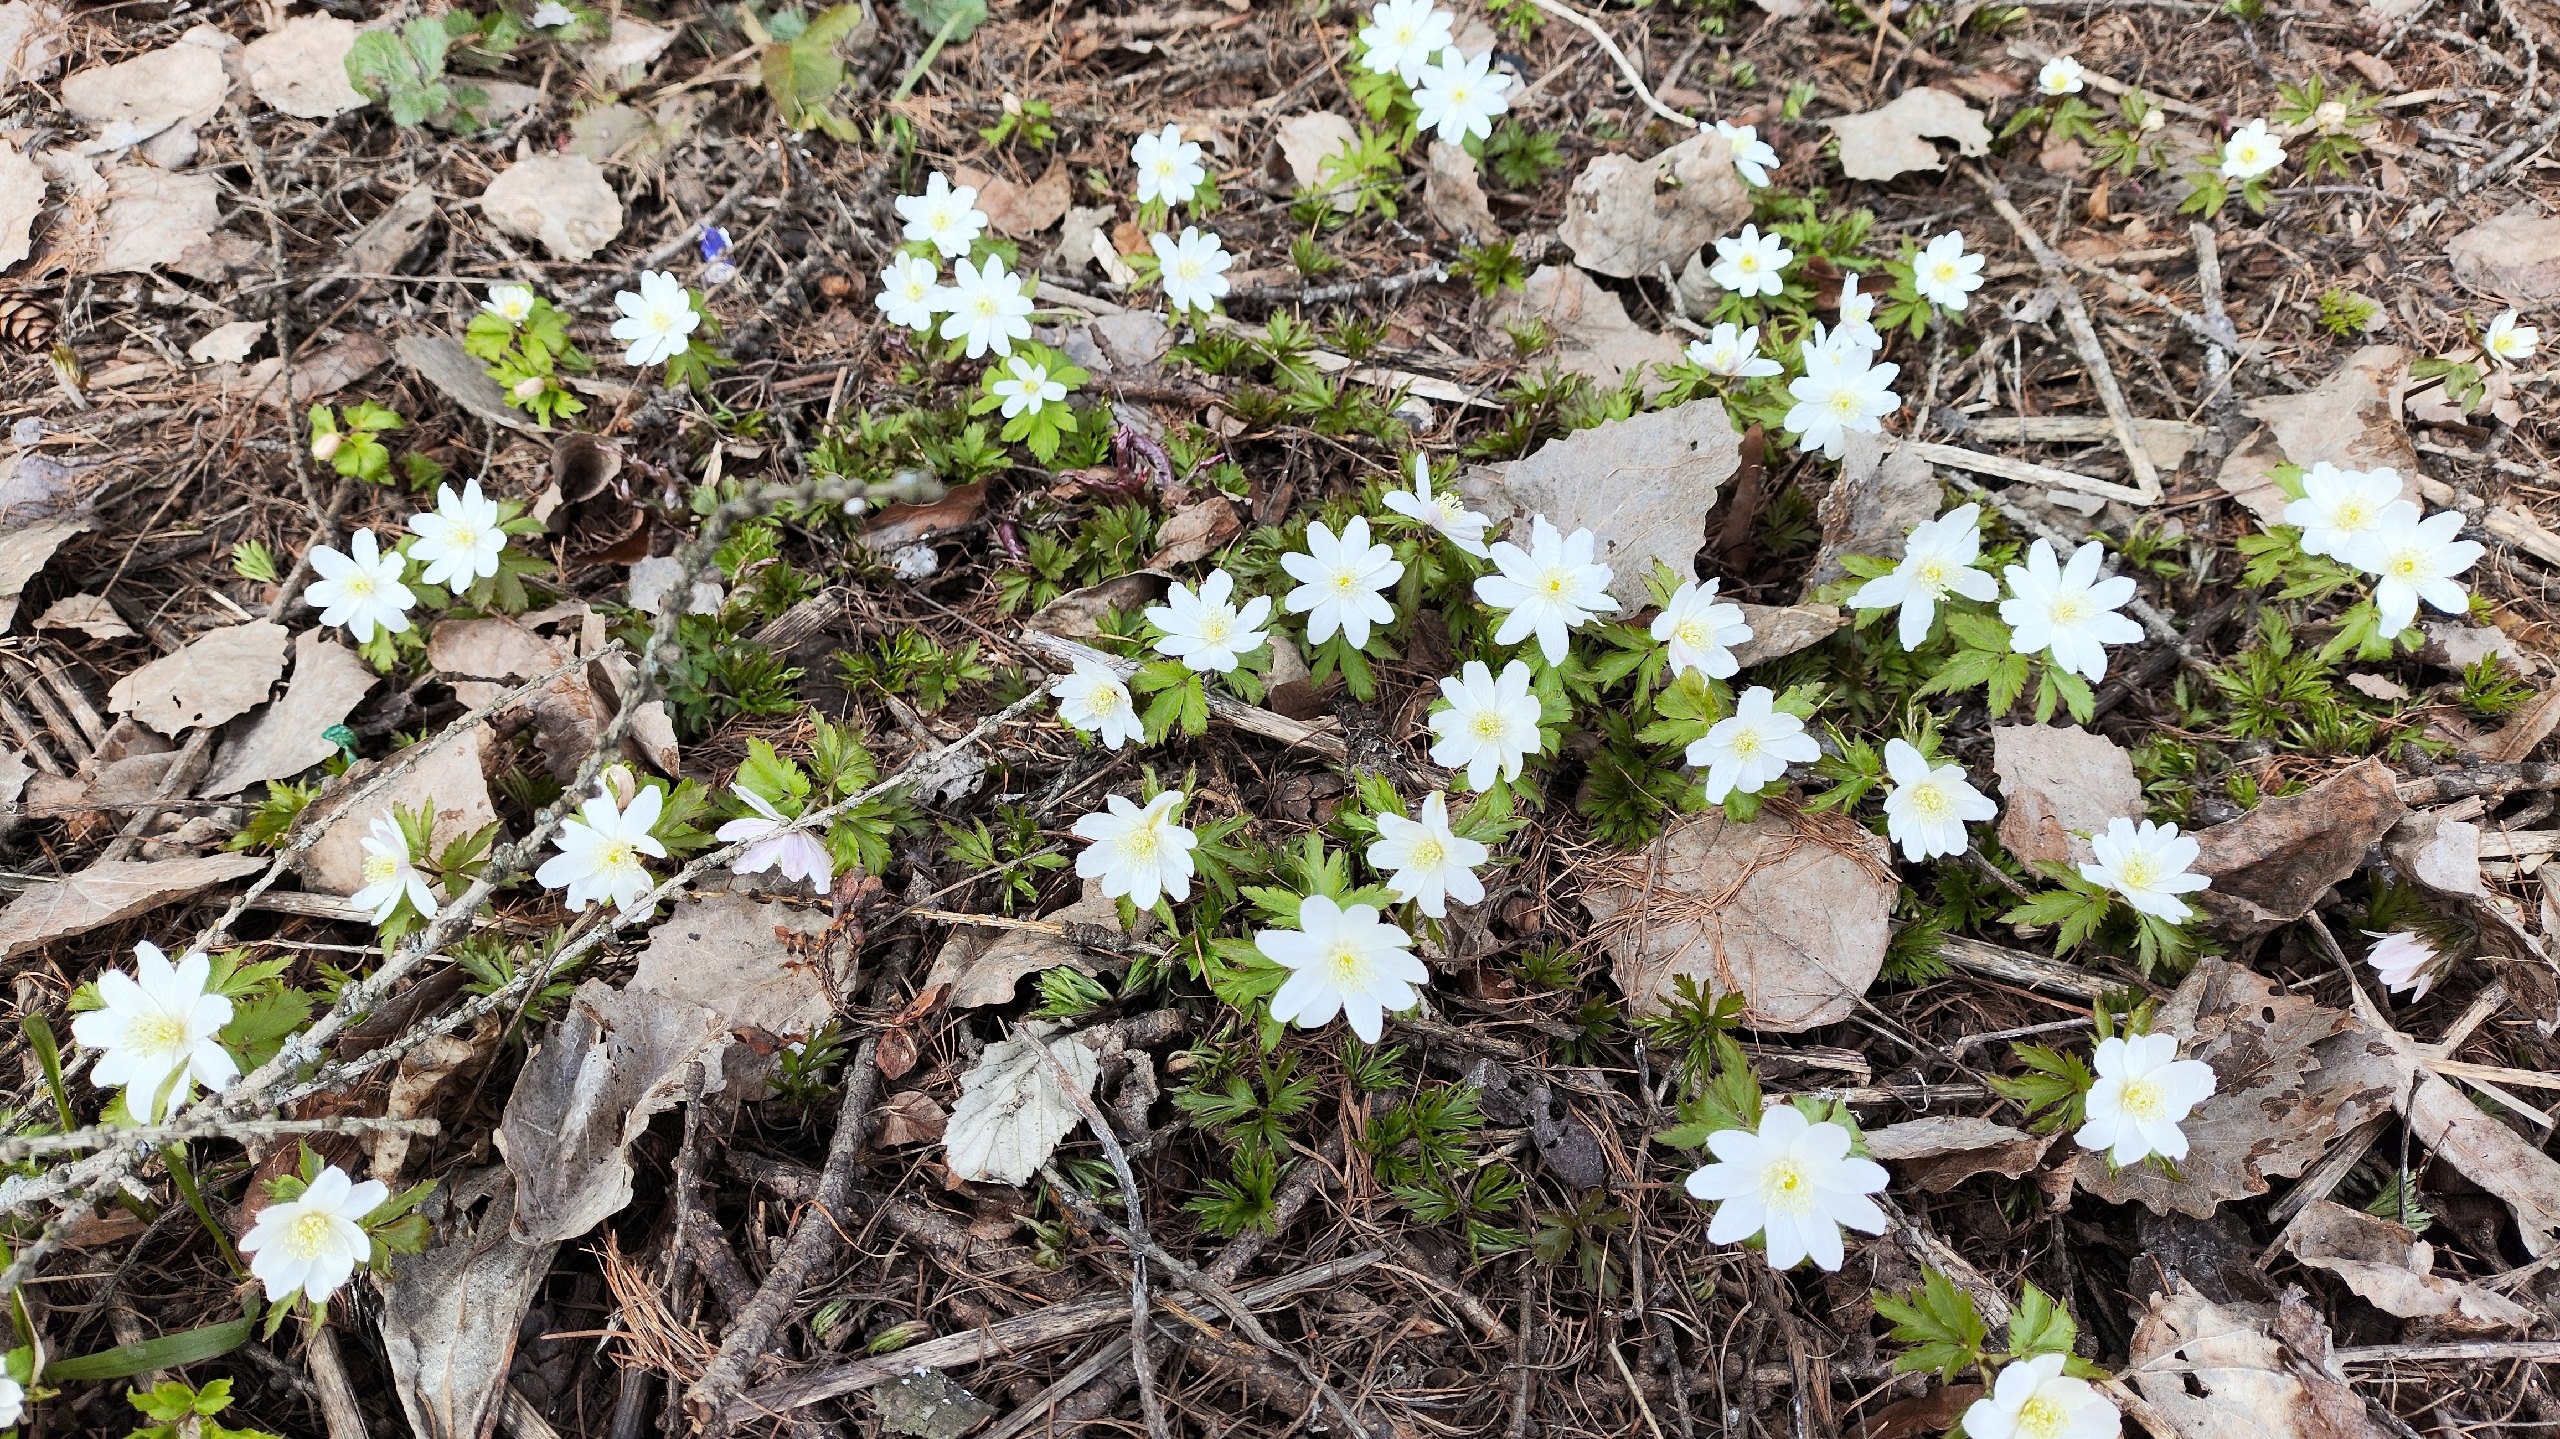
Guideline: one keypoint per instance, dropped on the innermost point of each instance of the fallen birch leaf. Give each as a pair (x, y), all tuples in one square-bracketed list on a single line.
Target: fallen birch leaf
[(461, 379), (24, 552), (1942, 1151), (2392, 1269), (451, 1317), (2272, 864), (300, 67), (227, 344), (328, 683), (1643, 485), (153, 218), (135, 100), (1078, 614), (908, 1117), (2059, 784), (2216, 1372), (2437, 851), (2350, 419), (1791, 913), (1307, 141), (220, 675), (110, 891), (562, 201), (1593, 334), (1194, 532), (1780, 630), (630, 46), (586, 1095), (1012, 1111), (449, 776), (982, 965), (2514, 257), (1628, 217), (1018, 211), (1882, 143), (21, 200), (722, 954), (1453, 194)]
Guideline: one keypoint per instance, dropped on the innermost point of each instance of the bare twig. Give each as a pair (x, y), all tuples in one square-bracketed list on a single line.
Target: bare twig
[(1141, 1311), (1626, 67)]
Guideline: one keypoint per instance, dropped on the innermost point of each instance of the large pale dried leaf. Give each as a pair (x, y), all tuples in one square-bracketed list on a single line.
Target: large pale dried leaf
[(1307, 140), (300, 67), (328, 682), (21, 200), (450, 1317), (722, 953), (2217, 1372), (562, 201), (484, 656), (462, 379), (1871, 507), (449, 776), (1194, 531), (421, 1081), (1078, 614), (1628, 217), (586, 1095), (2392, 1269), (2350, 419), (629, 47), (1880, 144), (1780, 630), (23, 552), (344, 361), (109, 891), (2438, 851), (132, 101), (1453, 194), (220, 675), (1791, 913), (2514, 257), (982, 966), (1012, 1111), (1593, 335), (2271, 1113), (2059, 783), (154, 218), (1643, 485), (1018, 211), (2371, 1059), (227, 344), (2272, 864), (35, 486), (1944, 1150), (30, 41)]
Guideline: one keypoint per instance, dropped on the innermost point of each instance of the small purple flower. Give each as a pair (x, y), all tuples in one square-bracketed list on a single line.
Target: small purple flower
[(796, 854), (715, 243)]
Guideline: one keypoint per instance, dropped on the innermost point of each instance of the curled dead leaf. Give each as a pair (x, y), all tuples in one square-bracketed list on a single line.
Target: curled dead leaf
[(220, 675), (2272, 864), (1642, 485), (2394, 1270), (2220, 1371), (1628, 217), (1453, 194), (1882, 143), (109, 891), (24, 551), (1593, 334)]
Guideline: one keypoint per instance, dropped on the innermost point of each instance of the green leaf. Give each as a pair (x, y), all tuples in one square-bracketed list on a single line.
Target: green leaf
[(169, 1351), (2039, 1326), (1940, 1322), (951, 20)]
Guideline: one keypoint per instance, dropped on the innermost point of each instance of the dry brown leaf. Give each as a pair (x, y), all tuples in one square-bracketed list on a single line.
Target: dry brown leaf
[(2273, 1109), (2514, 257), (21, 200), (1453, 194), (227, 344), (722, 953), (414, 1091), (2349, 419), (1307, 140), (1078, 614), (484, 656), (450, 1318), (1871, 508), (88, 615), (1791, 913), (1593, 335), (2369, 1058), (1942, 1151), (1780, 630), (586, 1096), (1194, 531), (2272, 864), (386, 241), (450, 777), (2217, 1372), (328, 683), (344, 361), (1643, 485), (154, 218), (629, 47), (899, 526), (1018, 211), (24, 552), (1628, 217), (109, 891), (2392, 1269), (30, 41), (176, 87), (562, 201), (219, 676), (1880, 144), (300, 67), (2524, 730), (2059, 783), (2437, 851), (982, 965), (462, 379), (908, 1117)]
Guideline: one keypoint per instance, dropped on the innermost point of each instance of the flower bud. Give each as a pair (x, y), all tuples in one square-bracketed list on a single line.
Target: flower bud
[(324, 446), (530, 387)]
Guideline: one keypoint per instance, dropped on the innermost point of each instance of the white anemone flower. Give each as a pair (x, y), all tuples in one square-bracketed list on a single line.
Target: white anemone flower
[(1840, 394), (658, 320), (1753, 158), (460, 540), (1751, 263), (1749, 750), (1944, 274), (2061, 76), (909, 285), (1937, 558), (1444, 513), (772, 844), (1342, 582), (1096, 701), (1402, 36), (2034, 1399), (158, 1029), (1857, 318), (1926, 808), (1733, 352), (511, 303), (2142, 1094), (1138, 854), (13, 1401), (1025, 386), (1699, 631), (390, 875), (1205, 628), (945, 216), (2508, 342), (313, 1244), (2148, 865), (1459, 97), (2415, 560), (986, 307), (1792, 1182), (1168, 166), (1489, 727), (361, 589), (601, 849), (2068, 610), (1549, 590), (2251, 152), (2339, 508), (2404, 962), (1427, 863), (1193, 269), (1342, 961)]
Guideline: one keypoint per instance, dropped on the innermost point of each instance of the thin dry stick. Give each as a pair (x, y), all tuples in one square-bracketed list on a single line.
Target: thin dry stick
[(206, 1126), (1626, 67), (1141, 1312), (339, 1411)]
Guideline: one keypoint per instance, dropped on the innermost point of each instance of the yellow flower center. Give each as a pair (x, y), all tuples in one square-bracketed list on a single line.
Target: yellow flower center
[(2405, 566), (1933, 572), (1347, 963), (2070, 609), (1345, 582), (2353, 514), (1746, 744), (1488, 725), (1693, 633), (1140, 843), (1931, 800), (1944, 272), (1428, 853), (2138, 871), (360, 585), (1557, 584), (1844, 403), (2042, 1418), (1214, 628), (1749, 263), (380, 868), (1786, 1188), (616, 854), (310, 1236), (158, 1033), (2143, 1099)]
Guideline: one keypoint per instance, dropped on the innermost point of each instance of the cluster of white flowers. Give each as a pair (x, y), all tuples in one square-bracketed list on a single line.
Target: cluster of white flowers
[(362, 588), (985, 306), (2358, 518), (2065, 610), (1456, 95)]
